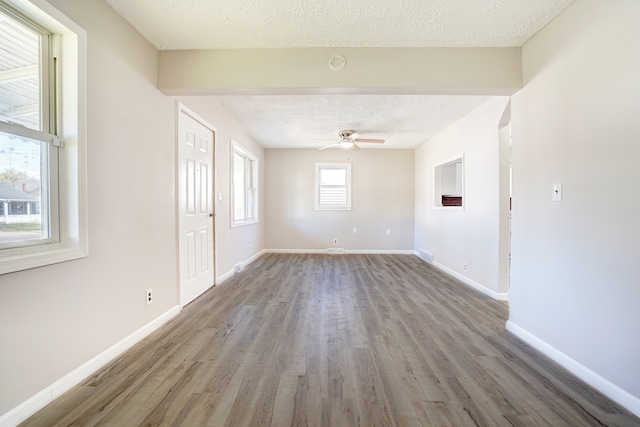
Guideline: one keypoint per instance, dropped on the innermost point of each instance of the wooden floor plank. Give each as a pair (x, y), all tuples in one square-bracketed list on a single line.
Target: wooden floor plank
[(335, 340)]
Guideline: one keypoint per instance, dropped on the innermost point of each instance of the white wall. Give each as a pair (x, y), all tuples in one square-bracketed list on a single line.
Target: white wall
[(573, 288), (382, 183), (55, 318), (455, 237), (574, 281), (238, 244)]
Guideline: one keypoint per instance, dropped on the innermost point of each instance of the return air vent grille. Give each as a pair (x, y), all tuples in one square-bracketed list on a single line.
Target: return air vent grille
[(426, 255)]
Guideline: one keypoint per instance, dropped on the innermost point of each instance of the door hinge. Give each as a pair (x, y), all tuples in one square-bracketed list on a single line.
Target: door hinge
[(57, 142)]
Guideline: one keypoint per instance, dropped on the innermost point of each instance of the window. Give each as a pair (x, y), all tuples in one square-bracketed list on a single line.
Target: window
[(28, 118), (449, 184), (333, 186), (244, 186), (42, 214)]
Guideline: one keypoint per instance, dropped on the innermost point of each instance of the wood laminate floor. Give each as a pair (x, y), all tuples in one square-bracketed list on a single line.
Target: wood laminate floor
[(335, 340)]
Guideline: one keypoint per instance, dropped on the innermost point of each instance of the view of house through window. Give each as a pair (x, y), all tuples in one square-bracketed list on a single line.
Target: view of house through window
[(21, 183), (25, 132)]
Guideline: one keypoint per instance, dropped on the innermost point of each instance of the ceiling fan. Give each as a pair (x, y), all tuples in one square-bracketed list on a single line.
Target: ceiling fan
[(348, 139)]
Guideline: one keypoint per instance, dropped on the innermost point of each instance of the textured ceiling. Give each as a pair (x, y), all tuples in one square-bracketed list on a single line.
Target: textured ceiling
[(238, 24), (313, 121), (287, 121)]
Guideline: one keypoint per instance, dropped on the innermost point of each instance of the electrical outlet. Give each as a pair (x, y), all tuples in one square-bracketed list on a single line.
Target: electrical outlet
[(388, 232), (355, 230), (149, 296), (464, 266), (335, 241)]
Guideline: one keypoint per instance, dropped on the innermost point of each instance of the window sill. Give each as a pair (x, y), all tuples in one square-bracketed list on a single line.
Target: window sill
[(242, 224), (10, 263), (449, 208)]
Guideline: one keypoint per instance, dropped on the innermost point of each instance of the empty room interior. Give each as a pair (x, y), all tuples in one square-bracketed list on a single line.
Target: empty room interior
[(292, 213)]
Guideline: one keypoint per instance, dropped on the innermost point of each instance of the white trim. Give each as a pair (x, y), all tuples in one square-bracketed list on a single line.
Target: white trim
[(450, 208), (295, 251), (346, 251), (254, 257), (41, 399), (499, 296), (381, 251), (72, 194), (242, 264), (601, 384), (346, 166), (188, 111), (225, 277)]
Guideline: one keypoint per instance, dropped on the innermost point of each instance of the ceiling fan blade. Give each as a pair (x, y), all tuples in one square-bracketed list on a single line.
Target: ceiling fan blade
[(355, 147), (329, 146), (378, 141)]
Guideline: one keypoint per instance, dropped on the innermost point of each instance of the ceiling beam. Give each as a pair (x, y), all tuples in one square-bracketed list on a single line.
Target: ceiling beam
[(464, 71)]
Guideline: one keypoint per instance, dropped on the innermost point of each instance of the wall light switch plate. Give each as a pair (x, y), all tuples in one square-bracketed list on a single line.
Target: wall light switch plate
[(556, 194)]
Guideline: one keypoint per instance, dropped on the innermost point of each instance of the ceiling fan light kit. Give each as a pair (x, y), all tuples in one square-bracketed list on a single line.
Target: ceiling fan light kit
[(348, 140)]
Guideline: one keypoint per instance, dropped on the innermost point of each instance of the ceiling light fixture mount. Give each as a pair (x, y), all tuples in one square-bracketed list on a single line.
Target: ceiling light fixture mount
[(337, 62)]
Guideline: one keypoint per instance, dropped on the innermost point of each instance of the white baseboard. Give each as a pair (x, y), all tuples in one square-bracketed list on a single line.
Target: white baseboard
[(346, 251), (32, 405), (225, 276), (254, 257), (242, 265), (381, 251), (295, 251), (499, 296), (601, 384)]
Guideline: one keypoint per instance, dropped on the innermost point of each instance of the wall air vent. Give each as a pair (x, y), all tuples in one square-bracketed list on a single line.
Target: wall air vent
[(426, 255)]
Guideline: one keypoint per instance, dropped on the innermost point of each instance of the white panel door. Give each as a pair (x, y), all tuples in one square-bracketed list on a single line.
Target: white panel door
[(196, 216)]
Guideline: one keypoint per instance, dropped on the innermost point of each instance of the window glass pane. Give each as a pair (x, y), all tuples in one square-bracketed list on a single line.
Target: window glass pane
[(333, 187), (238, 187), (23, 203), (19, 74), (249, 188), (333, 177)]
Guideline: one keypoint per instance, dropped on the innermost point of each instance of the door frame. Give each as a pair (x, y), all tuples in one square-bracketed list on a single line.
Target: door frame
[(183, 109)]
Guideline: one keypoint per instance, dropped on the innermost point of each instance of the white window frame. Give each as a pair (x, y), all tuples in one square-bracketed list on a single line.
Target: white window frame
[(318, 188), (68, 196), (250, 193)]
